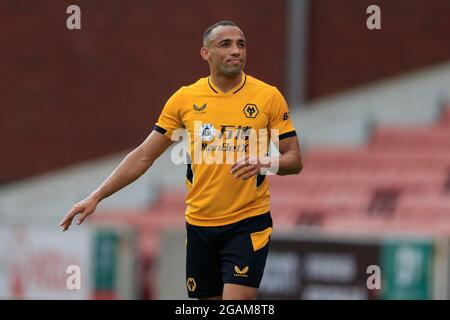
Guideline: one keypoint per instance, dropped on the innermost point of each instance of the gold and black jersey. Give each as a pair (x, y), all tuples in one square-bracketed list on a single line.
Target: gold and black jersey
[(215, 197)]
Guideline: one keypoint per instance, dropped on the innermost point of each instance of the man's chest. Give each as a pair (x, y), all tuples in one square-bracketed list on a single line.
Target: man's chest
[(225, 114)]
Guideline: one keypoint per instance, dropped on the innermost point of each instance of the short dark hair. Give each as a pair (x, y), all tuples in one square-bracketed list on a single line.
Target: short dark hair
[(223, 23)]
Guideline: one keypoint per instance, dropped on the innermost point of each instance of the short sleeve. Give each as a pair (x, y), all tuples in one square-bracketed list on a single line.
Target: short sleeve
[(170, 118), (279, 116)]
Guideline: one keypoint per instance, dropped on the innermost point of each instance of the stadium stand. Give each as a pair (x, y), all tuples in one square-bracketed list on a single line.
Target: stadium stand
[(398, 182)]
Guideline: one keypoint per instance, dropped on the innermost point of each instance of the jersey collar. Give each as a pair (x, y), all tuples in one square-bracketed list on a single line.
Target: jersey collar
[(232, 91)]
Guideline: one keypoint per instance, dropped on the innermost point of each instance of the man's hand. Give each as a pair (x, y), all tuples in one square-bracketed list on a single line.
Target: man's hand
[(249, 166), (85, 207)]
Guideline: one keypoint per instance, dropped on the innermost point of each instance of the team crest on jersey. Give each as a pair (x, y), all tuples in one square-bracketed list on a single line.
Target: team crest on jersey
[(191, 285), (207, 132), (251, 110)]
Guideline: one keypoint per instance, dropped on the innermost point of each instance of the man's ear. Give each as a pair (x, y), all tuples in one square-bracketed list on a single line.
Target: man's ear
[(204, 52)]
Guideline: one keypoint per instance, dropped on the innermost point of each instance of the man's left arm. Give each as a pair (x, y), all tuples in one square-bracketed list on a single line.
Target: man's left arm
[(290, 159)]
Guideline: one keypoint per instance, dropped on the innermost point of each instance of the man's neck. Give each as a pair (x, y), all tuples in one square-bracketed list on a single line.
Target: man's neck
[(225, 84)]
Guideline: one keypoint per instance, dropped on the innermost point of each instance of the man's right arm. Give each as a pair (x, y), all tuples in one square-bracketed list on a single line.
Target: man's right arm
[(135, 164)]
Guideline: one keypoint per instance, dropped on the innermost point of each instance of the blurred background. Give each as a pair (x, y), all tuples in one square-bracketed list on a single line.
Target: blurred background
[(371, 108)]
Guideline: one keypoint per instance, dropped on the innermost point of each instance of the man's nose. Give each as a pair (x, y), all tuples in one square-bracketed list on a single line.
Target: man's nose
[(235, 50)]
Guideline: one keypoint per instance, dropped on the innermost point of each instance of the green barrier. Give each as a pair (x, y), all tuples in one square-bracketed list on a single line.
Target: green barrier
[(105, 261), (407, 268)]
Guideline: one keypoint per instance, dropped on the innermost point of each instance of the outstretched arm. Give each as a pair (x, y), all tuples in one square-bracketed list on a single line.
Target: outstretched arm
[(135, 164)]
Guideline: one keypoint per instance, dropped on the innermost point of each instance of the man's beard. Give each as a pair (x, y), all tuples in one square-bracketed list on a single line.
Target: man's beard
[(232, 72)]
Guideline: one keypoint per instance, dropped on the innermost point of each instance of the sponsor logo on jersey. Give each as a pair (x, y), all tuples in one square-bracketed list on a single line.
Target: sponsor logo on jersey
[(199, 110), (207, 132), (241, 273)]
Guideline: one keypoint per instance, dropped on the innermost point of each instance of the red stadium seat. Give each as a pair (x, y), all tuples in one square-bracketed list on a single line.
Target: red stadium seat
[(445, 117)]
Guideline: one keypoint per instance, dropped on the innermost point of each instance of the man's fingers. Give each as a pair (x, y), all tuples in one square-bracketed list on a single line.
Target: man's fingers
[(241, 162), (67, 217), (250, 174), (245, 171), (65, 223), (238, 167), (83, 216), (242, 172)]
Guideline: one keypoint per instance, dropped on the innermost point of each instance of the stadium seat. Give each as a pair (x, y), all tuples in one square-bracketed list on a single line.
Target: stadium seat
[(445, 117)]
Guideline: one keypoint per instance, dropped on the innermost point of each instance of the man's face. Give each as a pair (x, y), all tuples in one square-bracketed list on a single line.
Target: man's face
[(226, 51)]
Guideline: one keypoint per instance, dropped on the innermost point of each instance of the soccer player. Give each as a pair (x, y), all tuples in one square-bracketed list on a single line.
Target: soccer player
[(228, 220)]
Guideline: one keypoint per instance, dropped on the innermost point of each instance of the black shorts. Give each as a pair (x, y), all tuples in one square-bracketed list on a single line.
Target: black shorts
[(234, 253)]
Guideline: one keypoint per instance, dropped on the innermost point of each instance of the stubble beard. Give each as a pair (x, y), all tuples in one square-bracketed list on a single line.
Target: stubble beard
[(232, 72)]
